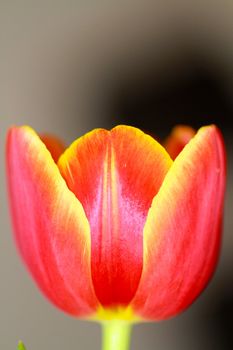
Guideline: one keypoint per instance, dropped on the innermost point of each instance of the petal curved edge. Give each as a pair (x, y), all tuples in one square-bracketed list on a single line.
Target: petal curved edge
[(178, 138), (115, 175), (50, 226), (182, 233), (55, 146)]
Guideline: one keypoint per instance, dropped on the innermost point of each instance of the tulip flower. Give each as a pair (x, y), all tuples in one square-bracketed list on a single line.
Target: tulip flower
[(178, 138), (114, 228)]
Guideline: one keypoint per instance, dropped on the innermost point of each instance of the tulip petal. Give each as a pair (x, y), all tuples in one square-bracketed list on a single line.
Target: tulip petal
[(51, 228), (115, 175), (179, 137), (55, 146), (183, 229)]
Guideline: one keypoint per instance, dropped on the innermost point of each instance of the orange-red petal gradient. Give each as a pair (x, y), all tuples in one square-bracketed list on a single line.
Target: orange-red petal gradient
[(115, 175), (182, 231), (55, 146), (51, 229), (179, 137)]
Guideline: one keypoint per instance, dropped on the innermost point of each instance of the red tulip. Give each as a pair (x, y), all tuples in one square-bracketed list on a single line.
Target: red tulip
[(115, 228), (179, 137)]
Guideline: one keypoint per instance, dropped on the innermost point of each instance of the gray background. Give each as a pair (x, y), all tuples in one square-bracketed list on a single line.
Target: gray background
[(69, 66)]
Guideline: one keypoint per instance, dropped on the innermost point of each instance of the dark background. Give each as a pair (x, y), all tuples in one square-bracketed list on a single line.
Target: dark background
[(197, 97)]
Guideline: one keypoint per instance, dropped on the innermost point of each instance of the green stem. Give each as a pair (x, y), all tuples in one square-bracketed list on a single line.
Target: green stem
[(116, 335), (21, 346)]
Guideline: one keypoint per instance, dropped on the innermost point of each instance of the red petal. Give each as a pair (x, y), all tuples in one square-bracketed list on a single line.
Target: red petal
[(55, 146), (179, 137), (115, 175), (51, 229), (183, 228)]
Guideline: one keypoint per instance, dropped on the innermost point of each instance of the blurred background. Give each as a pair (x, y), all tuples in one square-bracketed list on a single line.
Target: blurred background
[(67, 67)]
